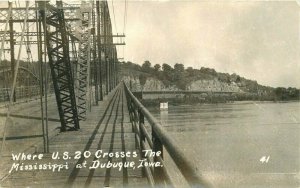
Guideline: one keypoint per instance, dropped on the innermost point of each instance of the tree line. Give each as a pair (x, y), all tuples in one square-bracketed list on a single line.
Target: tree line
[(181, 77)]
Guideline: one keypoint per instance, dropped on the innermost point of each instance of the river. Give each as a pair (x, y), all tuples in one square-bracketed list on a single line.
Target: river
[(240, 144)]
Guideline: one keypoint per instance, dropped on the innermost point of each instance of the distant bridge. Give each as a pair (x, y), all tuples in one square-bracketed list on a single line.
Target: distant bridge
[(189, 92), (181, 94)]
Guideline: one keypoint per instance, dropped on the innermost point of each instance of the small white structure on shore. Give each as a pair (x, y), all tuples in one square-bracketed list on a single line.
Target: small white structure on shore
[(163, 106)]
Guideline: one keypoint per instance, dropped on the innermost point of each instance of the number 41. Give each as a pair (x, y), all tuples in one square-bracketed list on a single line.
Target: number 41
[(264, 159)]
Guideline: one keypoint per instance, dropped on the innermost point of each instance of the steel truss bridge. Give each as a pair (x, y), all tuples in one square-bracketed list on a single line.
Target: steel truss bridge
[(74, 40), (77, 58)]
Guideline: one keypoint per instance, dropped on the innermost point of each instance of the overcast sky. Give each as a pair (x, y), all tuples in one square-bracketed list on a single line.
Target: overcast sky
[(257, 40)]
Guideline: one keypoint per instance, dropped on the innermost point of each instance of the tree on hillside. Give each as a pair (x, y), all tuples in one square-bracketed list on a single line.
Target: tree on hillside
[(146, 67), (157, 67), (287, 93), (178, 67), (208, 71), (167, 74), (179, 77), (190, 69), (156, 71), (166, 68)]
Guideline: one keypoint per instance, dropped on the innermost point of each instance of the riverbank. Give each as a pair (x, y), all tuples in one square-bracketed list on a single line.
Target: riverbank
[(212, 100)]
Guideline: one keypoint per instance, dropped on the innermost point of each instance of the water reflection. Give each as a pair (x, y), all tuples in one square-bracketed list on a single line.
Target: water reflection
[(164, 117)]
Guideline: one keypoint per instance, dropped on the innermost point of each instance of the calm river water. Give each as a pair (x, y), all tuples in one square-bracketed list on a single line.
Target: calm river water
[(241, 144)]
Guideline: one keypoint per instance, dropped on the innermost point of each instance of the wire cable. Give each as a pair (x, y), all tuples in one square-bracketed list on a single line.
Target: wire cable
[(125, 16), (124, 24), (112, 3)]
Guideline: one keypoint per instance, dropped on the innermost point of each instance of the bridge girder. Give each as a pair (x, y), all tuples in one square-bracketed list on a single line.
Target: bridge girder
[(60, 26), (84, 57), (59, 61)]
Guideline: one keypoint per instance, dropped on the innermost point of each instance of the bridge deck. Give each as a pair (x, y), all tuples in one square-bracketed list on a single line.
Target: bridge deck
[(107, 128)]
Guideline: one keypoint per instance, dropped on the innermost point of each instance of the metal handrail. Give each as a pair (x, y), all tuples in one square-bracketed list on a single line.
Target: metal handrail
[(184, 165)]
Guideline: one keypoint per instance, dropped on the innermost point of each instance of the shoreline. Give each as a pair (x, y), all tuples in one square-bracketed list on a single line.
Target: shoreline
[(180, 102)]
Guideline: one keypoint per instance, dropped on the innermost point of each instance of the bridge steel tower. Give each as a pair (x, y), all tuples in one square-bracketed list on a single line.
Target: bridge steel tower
[(91, 60), (59, 61), (99, 46), (84, 59)]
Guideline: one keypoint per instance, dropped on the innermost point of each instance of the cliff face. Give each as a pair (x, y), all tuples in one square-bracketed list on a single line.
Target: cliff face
[(213, 85), (153, 84)]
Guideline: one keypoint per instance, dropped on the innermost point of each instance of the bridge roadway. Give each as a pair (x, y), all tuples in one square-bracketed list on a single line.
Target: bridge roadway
[(107, 128)]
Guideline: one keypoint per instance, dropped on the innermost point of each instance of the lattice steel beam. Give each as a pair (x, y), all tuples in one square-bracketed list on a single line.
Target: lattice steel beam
[(84, 56), (59, 60), (18, 14)]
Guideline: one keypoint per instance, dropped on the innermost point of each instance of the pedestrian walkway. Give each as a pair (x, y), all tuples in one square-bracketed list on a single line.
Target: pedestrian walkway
[(104, 135)]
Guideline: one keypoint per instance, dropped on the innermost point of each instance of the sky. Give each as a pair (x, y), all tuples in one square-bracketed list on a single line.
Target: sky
[(259, 40)]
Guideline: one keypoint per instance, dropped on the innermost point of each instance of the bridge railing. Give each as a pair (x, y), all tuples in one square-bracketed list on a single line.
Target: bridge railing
[(22, 92), (158, 140)]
